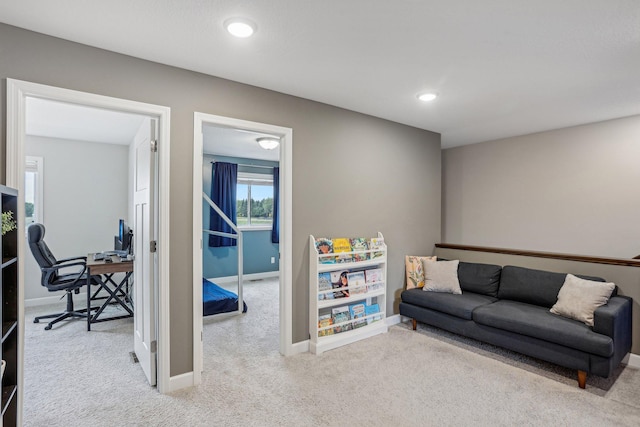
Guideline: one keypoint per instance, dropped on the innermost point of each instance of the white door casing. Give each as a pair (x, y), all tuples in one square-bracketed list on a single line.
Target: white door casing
[(16, 93), (287, 347), (144, 321)]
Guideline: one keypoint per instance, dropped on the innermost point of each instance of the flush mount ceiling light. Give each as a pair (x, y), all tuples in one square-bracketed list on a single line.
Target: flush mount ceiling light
[(240, 27), (426, 97), (268, 143)]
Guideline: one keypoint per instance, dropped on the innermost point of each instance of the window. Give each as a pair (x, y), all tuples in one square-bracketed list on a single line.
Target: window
[(254, 199), (33, 189)]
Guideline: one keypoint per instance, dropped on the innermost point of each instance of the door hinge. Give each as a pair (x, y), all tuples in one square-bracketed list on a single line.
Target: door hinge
[(154, 145), (154, 346), (153, 246)]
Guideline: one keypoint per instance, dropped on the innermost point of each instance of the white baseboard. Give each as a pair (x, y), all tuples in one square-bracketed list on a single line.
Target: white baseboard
[(179, 382), (300, 347), (245, 277), (34, 302), (632, 360), (393, 320), (78, 299)]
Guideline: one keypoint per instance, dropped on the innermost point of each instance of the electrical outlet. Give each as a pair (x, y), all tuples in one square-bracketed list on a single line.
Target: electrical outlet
[(273, 260)]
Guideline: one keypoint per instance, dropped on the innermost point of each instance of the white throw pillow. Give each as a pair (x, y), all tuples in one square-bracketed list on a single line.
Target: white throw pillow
[(578, 298), (441, 276)]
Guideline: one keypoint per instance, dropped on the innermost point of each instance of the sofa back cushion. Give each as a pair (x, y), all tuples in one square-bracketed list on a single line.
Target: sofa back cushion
[(482, 279), (530, 286)]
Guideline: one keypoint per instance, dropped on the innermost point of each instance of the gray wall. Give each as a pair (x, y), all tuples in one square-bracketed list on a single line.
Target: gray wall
[(353, 175), (81, 209), (570, 190), (258, 249)]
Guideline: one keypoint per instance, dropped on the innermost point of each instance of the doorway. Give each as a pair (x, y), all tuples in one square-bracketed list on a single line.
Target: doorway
[(17, 94), (285, 208)]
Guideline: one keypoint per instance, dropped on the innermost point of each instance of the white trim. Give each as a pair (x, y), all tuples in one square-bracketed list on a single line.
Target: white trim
[(286, 251), (178, 382), (632, 360), (36, 302), (245, 277), (39, 193), (17, 92), (244, 228), (300, 347), (393, 320)]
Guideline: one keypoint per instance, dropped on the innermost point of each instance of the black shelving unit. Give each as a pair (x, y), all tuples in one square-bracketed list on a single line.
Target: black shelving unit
[(9, 310)]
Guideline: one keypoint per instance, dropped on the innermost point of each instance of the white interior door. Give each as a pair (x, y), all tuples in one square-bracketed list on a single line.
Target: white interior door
[(145, 253)]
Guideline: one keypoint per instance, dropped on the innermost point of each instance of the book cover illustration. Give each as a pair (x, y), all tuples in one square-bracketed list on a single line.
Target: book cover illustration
[(324, 321), (374, 278), (342, 247), (357, 311), (341, 314), (339, 279), (324, 246), (357, 283), (359, 244), (376, 243), (324, 284), (370, 310)]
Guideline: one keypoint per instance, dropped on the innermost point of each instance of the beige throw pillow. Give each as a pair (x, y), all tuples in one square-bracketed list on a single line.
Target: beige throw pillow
[(578, 298), (415, 271), (441, 276)]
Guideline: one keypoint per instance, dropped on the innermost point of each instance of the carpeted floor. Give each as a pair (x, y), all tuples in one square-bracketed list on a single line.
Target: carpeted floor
[(402, 378)]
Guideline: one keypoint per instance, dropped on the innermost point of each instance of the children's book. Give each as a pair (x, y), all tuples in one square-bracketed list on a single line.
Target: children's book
[(341, 246), (374, 278), (376, 243), (341, 314), (324, 246), (357, 283), (325, 320), (340, 279), (359, 244), (324, 284), (372, 309), (357, 311)]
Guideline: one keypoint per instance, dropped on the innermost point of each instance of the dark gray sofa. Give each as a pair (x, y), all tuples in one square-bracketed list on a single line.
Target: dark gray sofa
[(509, 307)]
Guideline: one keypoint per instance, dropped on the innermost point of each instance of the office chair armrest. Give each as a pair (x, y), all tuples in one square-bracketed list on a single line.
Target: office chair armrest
[(61, 261), (55, 268)]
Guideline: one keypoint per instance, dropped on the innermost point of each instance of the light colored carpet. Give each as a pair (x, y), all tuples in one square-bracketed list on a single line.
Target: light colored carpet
[(402, 378)]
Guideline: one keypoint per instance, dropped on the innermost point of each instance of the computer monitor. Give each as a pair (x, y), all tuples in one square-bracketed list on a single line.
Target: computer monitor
[(124, 240)]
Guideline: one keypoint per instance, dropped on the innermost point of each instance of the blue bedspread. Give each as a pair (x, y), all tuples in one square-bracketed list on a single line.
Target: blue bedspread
[(217, 300)]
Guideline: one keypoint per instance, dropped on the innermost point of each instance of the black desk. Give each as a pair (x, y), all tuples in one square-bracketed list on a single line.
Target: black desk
[(104, 272)]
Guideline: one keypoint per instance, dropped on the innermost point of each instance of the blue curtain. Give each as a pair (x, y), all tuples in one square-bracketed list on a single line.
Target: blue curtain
[(275, 228), (223, 194)]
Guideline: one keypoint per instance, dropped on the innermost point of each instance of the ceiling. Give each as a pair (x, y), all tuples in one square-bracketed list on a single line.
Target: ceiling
[(500, 67), (81, 123), (74, 122)]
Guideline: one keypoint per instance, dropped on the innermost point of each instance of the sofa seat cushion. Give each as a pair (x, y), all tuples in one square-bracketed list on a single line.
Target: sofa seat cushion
[(459, 305), (537, 322)]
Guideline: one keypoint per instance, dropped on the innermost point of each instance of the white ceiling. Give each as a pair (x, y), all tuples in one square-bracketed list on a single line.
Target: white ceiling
[(81, 123), (500, 67), (74, 122)]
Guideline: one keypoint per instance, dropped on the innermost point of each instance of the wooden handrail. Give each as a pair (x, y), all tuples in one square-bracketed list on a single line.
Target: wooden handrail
[(567, 257)]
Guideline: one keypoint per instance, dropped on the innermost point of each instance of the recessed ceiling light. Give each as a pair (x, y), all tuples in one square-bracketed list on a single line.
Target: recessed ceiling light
[(426, 97), (240, 27)]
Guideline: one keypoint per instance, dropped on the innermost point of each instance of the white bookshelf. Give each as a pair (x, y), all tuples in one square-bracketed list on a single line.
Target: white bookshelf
[(370, 293)]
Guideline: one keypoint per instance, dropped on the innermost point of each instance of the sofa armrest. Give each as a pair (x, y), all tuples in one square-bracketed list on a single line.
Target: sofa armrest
[(614, 320)]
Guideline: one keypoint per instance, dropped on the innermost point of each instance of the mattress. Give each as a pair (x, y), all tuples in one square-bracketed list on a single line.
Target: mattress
[(217, 300)]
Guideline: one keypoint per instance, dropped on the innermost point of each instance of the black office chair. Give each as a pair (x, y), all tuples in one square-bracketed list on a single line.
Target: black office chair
[(71, 280)]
